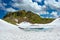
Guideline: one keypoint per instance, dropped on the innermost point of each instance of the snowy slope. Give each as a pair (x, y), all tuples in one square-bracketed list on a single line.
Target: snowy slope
[(6, 25), (12, 32), (24, 24), (56, 21)]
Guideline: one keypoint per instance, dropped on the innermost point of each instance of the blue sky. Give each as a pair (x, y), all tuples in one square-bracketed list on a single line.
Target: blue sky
[(44, 8)]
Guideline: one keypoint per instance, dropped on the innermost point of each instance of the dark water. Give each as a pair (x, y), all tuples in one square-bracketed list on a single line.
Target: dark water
[(37, 29)]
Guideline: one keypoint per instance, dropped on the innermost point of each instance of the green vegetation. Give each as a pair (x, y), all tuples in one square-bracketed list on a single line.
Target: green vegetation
[(28, 16)]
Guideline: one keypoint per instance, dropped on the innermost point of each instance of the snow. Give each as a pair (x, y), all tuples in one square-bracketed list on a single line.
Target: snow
[(12, 32), (24, 24), (55, 23)]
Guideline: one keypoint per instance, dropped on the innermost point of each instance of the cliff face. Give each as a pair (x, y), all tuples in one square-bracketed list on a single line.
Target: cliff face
[(22, 15)]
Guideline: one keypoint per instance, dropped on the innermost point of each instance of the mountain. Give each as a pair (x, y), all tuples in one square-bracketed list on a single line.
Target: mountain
[(22, 15)]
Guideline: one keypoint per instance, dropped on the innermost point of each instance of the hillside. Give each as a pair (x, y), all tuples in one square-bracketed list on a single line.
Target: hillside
[(22, 15)]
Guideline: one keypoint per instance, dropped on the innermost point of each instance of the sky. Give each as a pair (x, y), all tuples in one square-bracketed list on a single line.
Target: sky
[(44, 8)]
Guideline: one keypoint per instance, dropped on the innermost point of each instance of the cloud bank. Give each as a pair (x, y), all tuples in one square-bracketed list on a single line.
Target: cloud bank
[(29, 5)]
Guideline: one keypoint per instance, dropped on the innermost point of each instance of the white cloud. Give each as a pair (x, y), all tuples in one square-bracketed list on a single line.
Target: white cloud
[(28, 5), (44, 12), (59, 0), (53, 4), (2, 6), (55, 14), (34, 7), (17, 1), (50, 17), (38, 0), (10, 10)]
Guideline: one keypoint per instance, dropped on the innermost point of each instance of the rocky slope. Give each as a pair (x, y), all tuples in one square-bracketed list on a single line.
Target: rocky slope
[(22, 15)]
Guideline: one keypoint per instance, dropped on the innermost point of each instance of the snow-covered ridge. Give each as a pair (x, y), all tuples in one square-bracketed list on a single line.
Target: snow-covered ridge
[(6, 23), (55, 23), (29, 25), (6, 26)]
